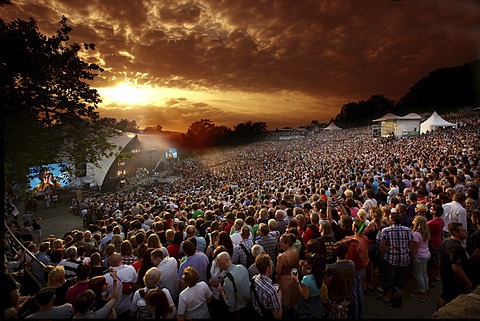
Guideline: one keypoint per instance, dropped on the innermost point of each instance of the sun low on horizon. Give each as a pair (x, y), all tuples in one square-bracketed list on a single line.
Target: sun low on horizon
[(175, 109)]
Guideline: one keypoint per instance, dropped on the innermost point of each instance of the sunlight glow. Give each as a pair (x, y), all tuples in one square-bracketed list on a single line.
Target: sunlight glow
[(127, 94)]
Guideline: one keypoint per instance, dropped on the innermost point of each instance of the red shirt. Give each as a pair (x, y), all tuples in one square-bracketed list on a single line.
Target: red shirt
[(435, 225), (74, 291), (137, 265), (174, 251), (228, 228)]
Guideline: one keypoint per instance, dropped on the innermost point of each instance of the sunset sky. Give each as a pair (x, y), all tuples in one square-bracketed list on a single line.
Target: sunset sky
[(284, 62)]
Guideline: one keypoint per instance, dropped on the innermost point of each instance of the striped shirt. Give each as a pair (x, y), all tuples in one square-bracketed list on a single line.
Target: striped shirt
[(70, 267), (398, 238), (267, 294)]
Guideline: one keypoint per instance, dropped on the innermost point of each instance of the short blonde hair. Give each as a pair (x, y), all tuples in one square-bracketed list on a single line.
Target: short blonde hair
[(152, 277), (348, 193), (57, 275)]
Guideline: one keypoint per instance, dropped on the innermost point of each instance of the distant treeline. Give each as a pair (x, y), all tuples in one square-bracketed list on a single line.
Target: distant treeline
[(443, 90)]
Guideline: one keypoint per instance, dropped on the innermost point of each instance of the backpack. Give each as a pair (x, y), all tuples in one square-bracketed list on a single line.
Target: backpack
[(250, 257), (142, 312), (361, 247)]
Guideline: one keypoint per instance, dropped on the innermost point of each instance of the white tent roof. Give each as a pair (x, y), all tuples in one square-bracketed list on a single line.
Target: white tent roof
[(388, 116), (332, 126), (99, 172), (435, 121), (412, 116)]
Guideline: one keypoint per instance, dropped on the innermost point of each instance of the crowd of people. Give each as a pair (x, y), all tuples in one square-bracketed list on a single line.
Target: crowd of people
[(276, 230)]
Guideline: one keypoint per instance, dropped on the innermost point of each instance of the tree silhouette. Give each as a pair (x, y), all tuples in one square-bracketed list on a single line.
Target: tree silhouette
[(48, 106)]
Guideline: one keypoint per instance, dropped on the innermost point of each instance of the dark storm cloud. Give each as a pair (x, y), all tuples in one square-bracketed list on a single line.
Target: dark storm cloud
[(332, 51)]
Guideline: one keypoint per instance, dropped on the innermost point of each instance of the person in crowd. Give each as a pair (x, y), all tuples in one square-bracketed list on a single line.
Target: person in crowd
[(169, 271), (435, 227), (454, 265), (396, 242), (195, 259), (127, 279), (310, 304), (268, 242), (265, 297), (99, 286), (73, 292), (213, 237), (454, 211), (139, 308), (358, 254), (235, 288), (192, 302), (174, 247), (72, 261), (327, 241), (339, 281), (225, 240), (371, 232), (45, 299), (57, 281), (419, 256), (243, 248), (86, 302), (38, 269), (126, 251), (159, 305), (287, 261)]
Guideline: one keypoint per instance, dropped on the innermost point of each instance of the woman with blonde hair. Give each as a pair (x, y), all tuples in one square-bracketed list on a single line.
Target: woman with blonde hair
[(420, 255), (56, 280)]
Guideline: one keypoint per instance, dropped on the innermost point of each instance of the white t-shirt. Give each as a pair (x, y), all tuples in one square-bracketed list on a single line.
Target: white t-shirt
[(192, 302)]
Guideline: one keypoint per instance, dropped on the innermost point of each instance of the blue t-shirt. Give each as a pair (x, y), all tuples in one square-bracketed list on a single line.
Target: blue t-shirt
[(309, 280)]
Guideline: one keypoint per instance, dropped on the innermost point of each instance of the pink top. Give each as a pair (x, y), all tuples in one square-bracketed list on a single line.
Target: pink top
[(423, 251)]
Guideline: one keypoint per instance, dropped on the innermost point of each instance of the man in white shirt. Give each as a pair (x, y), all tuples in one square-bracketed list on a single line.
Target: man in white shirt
[(169, 270), (125, 273), (393, 192), (454, 212), (237, 237)]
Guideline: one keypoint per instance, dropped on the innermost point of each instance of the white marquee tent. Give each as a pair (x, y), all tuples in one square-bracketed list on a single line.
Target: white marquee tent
[(332, 126), (434, 122)]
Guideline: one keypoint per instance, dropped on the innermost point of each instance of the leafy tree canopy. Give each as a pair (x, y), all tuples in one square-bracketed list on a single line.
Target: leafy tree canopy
[(49, 109)]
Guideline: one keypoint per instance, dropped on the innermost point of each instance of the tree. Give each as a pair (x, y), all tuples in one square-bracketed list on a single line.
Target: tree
[(125, 125), (49, 109), (201, 133), (156, 129), (250, 128)]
